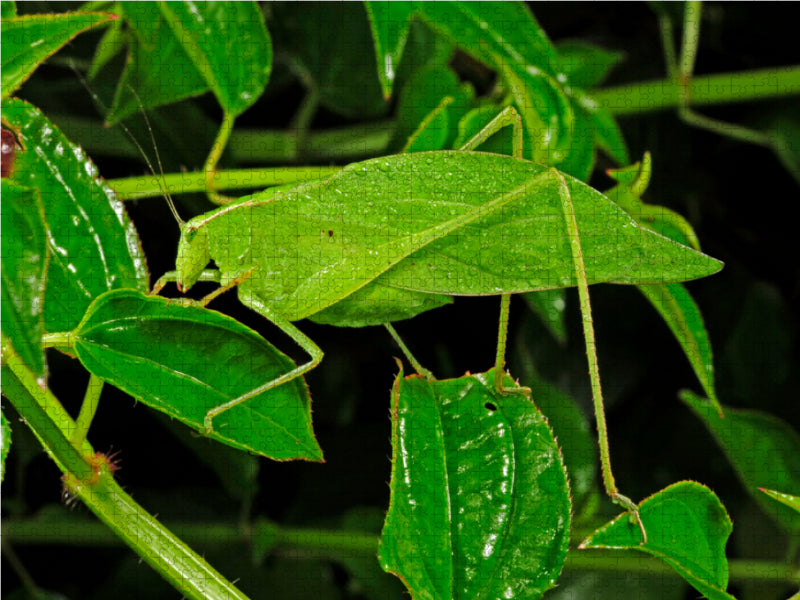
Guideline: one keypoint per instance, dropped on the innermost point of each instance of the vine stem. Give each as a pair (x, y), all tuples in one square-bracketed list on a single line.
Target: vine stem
[(89, 476), (210, 168), (151, 186), (91, 400), (722, 88)]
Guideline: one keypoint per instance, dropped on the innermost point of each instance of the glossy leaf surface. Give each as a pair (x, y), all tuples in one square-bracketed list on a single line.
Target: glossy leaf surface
[(24, 265), (185, 360), (479, 500), (154, 58), (687, 527), (682, 315), (454, 223), (93, 244), (28, 41), (792, 502), (5, 443), (480, 28), (214, 33), (763, 449), (585, 65)]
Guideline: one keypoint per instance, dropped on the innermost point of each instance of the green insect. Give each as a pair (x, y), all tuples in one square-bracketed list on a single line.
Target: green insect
[(389, 238)]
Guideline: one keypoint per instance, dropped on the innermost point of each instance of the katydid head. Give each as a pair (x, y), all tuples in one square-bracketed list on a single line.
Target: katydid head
[(193, 255)]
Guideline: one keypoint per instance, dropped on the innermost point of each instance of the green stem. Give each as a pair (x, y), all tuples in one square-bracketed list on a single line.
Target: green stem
[(90, 477), (88, 409), (721, 88), (210, 168), (691, 37), (336, 543), (150, 186)]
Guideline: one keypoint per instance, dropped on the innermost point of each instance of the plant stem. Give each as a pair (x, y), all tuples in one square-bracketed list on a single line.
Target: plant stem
[(210, 168), (88, 409), (150, 186), (90, 477), (334, 544), (722, 88)]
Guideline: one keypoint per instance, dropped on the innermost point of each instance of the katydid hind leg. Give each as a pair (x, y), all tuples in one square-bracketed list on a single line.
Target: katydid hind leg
[(609, 483), (287, 327)]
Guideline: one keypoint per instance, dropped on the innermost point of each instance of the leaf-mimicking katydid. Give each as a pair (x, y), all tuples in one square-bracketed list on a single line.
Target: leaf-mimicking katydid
[(392, 237)]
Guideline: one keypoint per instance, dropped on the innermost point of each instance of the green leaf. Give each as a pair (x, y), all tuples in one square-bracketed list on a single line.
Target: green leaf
[(214, 33), (8, 9), (579, 162), (481, 29), (687, 527), (5, 443), (93, 244), (763, 449), (607, 134), (24, 259), (30, 40), (680, 312), (585, 64), (330, 42), (452, 223), (111, 44), (792, 502), (157, 68), (479, 502), (185, 360), (784, 132), (425, 91), (550, 305)]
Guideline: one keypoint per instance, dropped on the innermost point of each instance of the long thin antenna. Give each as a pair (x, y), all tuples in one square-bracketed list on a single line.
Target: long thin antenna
[(162, 183)]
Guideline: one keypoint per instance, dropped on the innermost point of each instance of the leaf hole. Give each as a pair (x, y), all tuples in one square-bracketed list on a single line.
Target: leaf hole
[(490, 406)]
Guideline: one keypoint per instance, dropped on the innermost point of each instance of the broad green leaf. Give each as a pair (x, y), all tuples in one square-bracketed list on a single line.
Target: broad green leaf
[(550, 305), (93, 244), (5, 443), (111, 44), (585, 64), (157, 67), (607, 134), (680, 312), (687, 527), (424, 93), (481, 29), (30, 40), (792, 502), (8, 9), (547, 113), (186, 360), (432, 131), (579, 162), (330, 42), (228, 44), (763, 449), (454, 223), (479, 503), (24, 259)]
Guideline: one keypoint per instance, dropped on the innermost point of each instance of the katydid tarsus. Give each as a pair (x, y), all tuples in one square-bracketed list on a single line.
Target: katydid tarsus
[(245, 238)]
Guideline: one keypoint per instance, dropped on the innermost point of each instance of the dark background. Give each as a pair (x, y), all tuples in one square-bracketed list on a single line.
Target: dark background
[(738, 197)]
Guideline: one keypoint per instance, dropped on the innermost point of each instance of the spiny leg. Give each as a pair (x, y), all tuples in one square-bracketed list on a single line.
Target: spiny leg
[(411, 358), (591, 352), (506, 117), (293, 332)]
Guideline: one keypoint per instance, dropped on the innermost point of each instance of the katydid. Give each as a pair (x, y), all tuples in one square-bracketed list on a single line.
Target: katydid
[(392, 237)]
